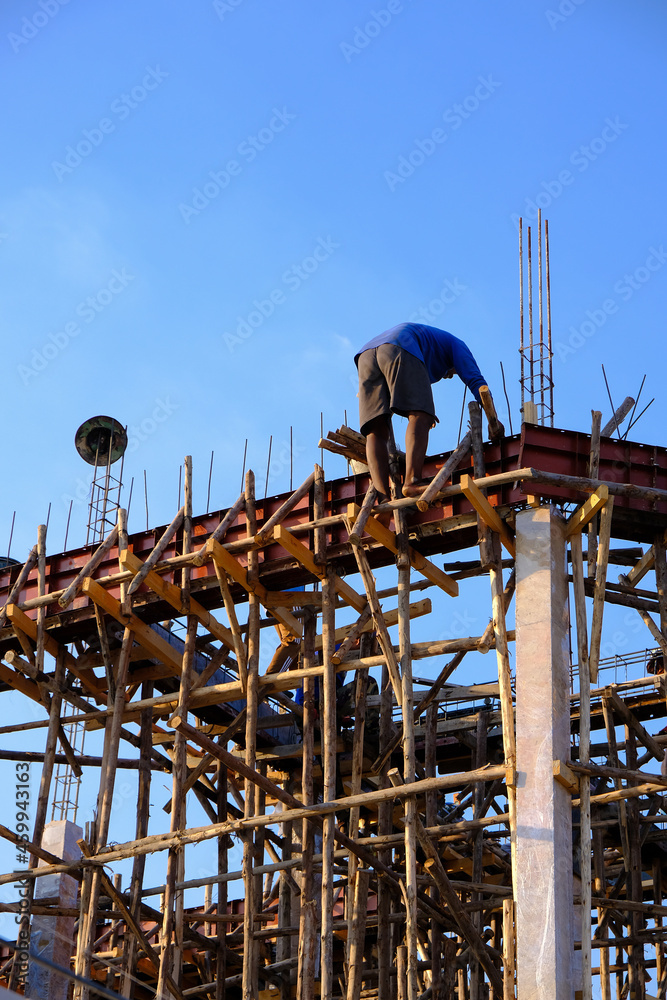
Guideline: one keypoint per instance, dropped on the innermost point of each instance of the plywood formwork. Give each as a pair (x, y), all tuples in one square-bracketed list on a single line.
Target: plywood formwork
[(359, 878)]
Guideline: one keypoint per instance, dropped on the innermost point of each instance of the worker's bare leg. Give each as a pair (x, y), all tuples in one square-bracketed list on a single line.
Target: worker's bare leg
[(416, 443), (377, 454)]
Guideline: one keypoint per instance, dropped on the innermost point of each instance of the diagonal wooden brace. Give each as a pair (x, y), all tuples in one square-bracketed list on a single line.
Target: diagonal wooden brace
[(417, 560), (226, 561), (488, 513), (307, 559), (587, 511), (88, 679), (173, 595), (144, 634)]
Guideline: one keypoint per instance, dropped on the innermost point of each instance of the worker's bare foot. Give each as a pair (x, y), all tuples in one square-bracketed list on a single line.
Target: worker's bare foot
[(415, 489)]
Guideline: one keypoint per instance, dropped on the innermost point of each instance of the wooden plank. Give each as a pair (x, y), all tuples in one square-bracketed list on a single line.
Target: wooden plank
[(172, 595), (20, 683), (640, 569), (487, 512), (226, 561), (587, 511), (144, 634), (419, 562), (307, 559), (92, 683), (565, 777)]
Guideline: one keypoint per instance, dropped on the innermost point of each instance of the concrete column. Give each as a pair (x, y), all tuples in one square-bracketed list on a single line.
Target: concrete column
[(544, 816), (52, 938)]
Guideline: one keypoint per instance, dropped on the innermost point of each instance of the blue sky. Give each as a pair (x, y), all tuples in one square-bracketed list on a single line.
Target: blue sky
[(315, 104), (179, 175)]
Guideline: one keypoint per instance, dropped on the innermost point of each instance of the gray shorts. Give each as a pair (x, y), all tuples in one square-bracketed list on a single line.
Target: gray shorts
[(391, 380)]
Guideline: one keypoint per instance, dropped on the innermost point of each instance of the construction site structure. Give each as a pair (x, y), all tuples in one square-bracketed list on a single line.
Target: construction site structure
[(402, 837)]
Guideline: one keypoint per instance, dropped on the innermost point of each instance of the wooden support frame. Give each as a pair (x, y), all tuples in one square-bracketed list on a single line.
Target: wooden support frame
[(488, 513), (419, 562)]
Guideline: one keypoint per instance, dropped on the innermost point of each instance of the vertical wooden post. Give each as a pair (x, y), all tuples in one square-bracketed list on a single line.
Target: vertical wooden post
[(139, 861), (223, 867), (386, 984), (171, 935), (307, 920), (409, 762), (584, 757), (250, 974), (477, 917), (593, 473), (361, 684), (601, 891), (508, 949), (328, 727), (436, 936), (634, 879)]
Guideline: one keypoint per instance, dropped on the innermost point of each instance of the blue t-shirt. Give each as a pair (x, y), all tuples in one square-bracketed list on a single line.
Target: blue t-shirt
[(439, 350)]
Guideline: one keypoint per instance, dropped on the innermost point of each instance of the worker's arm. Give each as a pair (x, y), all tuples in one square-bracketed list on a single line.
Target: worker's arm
[(496, 429)]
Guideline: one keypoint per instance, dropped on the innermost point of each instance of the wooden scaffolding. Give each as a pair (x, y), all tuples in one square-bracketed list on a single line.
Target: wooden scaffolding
[(361, 875)]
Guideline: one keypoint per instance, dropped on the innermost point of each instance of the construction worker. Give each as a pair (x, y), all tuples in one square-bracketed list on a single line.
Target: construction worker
[(396, 370)]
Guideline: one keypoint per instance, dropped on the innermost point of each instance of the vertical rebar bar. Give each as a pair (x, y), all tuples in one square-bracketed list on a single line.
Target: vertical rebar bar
[(521, 343), (550, 352), (539, 310)]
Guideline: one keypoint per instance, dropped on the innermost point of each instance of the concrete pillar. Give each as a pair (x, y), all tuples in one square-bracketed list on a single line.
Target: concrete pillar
[(52, 938), (543, 891)]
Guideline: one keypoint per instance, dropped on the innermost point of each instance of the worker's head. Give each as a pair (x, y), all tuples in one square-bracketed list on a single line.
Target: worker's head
[(450, 373)]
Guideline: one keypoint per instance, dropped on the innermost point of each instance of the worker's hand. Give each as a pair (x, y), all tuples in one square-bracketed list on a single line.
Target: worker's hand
[(496, 431)]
